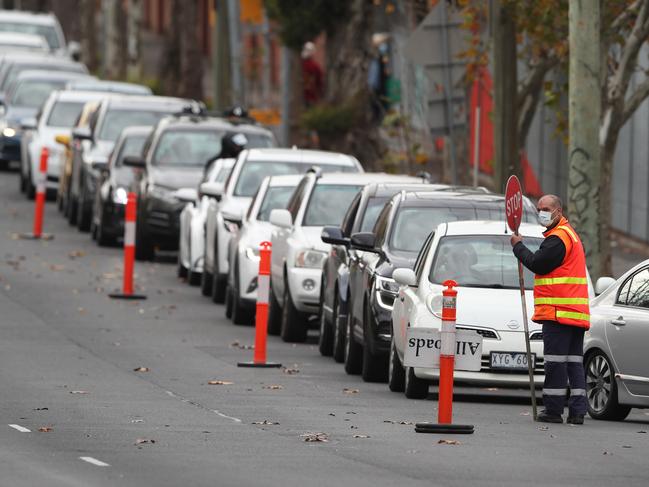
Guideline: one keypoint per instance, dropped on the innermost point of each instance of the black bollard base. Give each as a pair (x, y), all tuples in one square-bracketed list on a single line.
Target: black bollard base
[(264, 365), (131, 297), (458, 429), (31, 236)]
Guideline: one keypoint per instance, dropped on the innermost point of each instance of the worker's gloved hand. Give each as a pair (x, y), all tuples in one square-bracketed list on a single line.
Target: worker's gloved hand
[(515, 239)]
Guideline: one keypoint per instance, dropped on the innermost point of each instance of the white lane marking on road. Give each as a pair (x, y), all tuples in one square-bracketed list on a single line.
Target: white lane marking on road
[(94, 461), (22, 429), (195, 404)]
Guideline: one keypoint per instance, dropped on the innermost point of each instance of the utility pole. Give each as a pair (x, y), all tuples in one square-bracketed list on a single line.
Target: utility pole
[(507, 159), (584, 101), (238, 97), (221, 59)]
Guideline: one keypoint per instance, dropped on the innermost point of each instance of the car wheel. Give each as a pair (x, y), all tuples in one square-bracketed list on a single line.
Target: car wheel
[(83, 216), (219, 282), (181, 270), (206, 283), (103, 238), (274, 313), (143, 246), (375, 366), (414, 387), (194, 278), (601, 389), (294, 327), (59, 202), (72, 210), (353, 350), (30, 188), (339, 324), (240, 315), (228, 302), (22, 182), (396, 373), (326, 339)]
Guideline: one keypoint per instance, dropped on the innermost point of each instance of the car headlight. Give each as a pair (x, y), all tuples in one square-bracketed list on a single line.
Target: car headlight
[(312, 259), (8, 132), (387, 285), (252, 253), (163, 194), (120, 196)]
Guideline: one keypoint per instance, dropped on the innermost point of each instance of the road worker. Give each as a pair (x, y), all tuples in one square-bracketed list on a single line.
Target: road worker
[(561, 306)]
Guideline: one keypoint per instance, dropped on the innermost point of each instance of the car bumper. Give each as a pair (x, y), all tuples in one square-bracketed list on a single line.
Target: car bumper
[(304, 284), (162, 224), (10, 148), (381, 323), (113, 219), (248, 273)]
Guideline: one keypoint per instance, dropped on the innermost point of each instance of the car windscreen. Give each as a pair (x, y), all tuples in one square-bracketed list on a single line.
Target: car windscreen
[(259, 141), (12, 71), (132, 146), (33, 93), (480, 261), (372, 210), (46, 31), (117, 120), (328, 204), (413, 224), (253, 173), (275, 197), (64, 114), (187, 148), (223, 175)]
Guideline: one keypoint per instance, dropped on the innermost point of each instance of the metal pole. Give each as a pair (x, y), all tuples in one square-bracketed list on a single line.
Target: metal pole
[(285, 80), (476, 144), (235, 52)]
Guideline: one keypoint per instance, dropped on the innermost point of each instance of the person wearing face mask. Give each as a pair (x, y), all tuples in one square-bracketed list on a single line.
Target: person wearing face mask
[(561, 306)]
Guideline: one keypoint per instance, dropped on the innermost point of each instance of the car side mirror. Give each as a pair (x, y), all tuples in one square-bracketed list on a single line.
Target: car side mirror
[(28, 123), (82, 133), (602, 284), (236, 216), (405, 277), (134, 161), (363, 241), (100, 166), (186, 195), (212, 189), (334, 236), (64, 140), (74, 50), (281, 218)]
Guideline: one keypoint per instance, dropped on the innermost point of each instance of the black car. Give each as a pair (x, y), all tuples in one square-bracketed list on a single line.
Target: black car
[(96, 142), (173, 163), (400, 231), (360, 217), (114, 184)]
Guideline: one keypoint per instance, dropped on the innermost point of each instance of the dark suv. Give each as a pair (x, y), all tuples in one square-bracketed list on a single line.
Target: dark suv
[(172, 165), (400, 231)]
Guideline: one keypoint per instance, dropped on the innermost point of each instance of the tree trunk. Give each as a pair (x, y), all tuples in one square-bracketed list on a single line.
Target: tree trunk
[(585, 200), (191, 59), (89, 35), (134, 41), (170, 68), (114, 61)]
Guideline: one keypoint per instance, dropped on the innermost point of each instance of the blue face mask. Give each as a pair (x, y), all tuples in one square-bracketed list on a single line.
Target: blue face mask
[(545, 218)]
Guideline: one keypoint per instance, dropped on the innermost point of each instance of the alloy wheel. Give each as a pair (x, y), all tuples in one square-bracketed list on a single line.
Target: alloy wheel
[(598, 383)]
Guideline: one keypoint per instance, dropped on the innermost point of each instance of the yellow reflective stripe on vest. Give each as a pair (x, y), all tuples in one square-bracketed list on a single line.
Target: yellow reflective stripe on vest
[(560, 300), (573, 315), (570, 232), (547, 281)]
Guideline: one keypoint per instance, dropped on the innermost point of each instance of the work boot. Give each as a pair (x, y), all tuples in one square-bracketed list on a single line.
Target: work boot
[(545, 417), (576, 419)]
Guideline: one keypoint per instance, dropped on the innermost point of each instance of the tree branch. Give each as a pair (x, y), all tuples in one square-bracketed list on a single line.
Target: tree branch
[(634, 101), (624, 16)]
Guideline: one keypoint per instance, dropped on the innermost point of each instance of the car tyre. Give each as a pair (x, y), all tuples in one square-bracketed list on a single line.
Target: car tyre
[(396, 372), (194, 278), (339, 324), (274, 313), (240, 314), (326, 339), (104, 239), (219, 282), (71, 211), (294, 327), (83, 216), (181, 270), (375, 366), (414, 387), (206, 283), (22, 182), (353, 350), (30, 188), (601, 389), (228, 302), (143, 247)]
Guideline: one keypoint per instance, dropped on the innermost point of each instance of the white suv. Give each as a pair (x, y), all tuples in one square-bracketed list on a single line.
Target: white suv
[(224, 213), (298, 252)]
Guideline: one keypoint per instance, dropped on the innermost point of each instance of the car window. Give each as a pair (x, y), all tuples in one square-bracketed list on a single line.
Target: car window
[(253, 173), (46, 31), (295, 200), (372, 211), (64, 113), (275, 197), (381, 225), (117, 120), (186, 148), (480, 261), (635, 291), (33, 93), (328, 204), (132, 146), (350, 216), (421, 258), (223, 174)]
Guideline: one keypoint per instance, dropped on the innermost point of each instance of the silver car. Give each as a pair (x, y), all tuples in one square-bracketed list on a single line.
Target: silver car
[(615, 356)]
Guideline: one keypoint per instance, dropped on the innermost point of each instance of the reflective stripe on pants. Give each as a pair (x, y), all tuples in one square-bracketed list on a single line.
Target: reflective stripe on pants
[(563, 362)]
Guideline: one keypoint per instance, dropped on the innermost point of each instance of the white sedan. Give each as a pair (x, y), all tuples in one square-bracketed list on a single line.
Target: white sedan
[(615, 348), (478, 256), (191, 248)]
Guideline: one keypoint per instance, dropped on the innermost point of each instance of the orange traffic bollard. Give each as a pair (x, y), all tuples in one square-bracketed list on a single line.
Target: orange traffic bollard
[(446, 369), (41, 193), (129, 251), (261, 318)]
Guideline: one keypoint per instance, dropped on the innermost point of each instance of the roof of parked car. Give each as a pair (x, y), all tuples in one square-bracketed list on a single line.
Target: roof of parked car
[(136, 130), (49, 75), (191, 121), (490, 227), (389, 188), (285, 180), (135, 102), (361, 178), (105, 86), (28, 17), (21, 39), (307, 156), (78, 96)]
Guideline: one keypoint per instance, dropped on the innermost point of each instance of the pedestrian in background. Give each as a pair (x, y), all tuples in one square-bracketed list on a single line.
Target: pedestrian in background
[(561, 306), (311, 76)]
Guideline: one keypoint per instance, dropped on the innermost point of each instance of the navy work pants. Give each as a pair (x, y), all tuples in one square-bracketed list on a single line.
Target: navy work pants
[(563, 347)]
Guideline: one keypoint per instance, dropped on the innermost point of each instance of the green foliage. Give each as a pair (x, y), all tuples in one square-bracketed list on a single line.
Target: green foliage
[(328, 119), (303, 20)]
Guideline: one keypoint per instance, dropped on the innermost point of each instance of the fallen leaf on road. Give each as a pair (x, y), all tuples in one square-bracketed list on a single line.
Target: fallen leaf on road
[(79, 392), (76, 253), (524, 413), (57, 267), (45, 429), (361, 436), (315, 437), (352, 427), (492, 389), (606, 453), (219, 382), (140, 441), (141, 369), (543, 428), (236, 344), (641, 431), (290, 371), (109, 275), (331, 414), (350, 412), (627, 446), (350, 391), (448, 442), (265, 421), (273, 387), (81, 310), (41, 409), (137, 421)]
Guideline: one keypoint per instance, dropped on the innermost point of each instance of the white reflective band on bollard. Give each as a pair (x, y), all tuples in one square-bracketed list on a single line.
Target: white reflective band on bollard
[(41, 180), (448, 339), (263, 288), (129, 233)]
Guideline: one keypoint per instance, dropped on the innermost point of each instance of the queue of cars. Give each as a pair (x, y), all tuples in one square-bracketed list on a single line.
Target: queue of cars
[(360, 257)]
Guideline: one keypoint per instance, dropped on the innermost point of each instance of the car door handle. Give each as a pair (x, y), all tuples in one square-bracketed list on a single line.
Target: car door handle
[(619, 321), (402, 299)]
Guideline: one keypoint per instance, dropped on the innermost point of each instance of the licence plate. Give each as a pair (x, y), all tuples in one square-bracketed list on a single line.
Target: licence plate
[(510, 360)]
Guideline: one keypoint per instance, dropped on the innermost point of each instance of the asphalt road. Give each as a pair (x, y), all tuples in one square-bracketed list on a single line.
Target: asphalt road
[(83, 416)]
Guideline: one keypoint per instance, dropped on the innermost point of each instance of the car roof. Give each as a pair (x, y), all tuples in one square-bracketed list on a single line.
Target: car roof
[(414, 197), (101, 85), (392, 187), (306, 156), (136, 130), (22, 39), (490, 227), (23, 17), (360, 178), (134, 102), (285, 180), (37, 58), (188, 122), (49, 75), (80, 96)]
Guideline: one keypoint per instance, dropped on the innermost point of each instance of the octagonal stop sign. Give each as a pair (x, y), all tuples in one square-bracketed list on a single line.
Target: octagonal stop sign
[(513, 203)]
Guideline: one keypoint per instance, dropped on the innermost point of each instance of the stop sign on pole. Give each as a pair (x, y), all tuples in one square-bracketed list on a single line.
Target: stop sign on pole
[(513, 203)]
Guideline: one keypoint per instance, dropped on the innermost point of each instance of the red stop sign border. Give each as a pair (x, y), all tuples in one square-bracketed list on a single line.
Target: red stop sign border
[(513, 203)]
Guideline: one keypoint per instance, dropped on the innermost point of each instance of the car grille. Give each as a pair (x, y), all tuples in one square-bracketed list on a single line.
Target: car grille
[(485, 366), (484, 332)]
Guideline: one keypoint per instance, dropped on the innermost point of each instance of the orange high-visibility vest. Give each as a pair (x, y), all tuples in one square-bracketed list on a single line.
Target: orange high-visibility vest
[(562, 295)]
